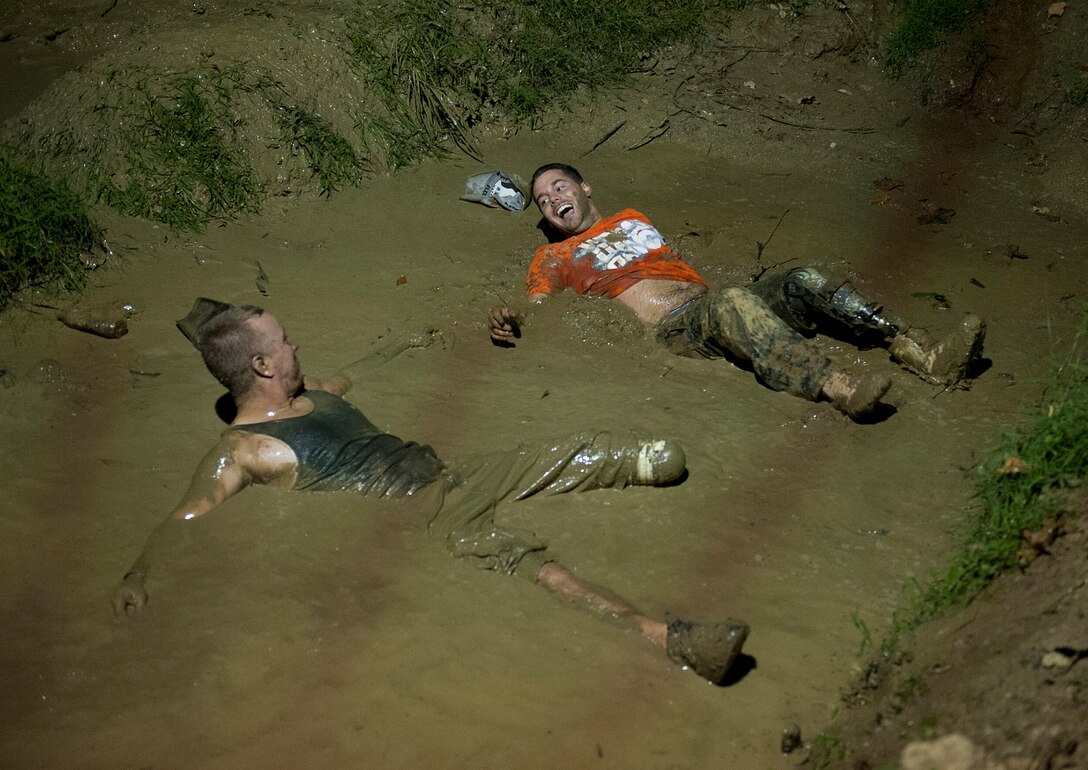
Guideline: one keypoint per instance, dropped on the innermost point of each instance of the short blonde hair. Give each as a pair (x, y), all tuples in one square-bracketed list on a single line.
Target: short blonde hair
[(227, 343)]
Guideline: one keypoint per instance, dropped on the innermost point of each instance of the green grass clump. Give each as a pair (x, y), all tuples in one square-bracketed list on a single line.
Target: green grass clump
[(439, 66), (184, 166), (414, 62), (1024, 481), (828, 751), (922, 25), (1076, 92), (1019, 487), (43, 229), (555, 48), (384, 86), (331, 158)]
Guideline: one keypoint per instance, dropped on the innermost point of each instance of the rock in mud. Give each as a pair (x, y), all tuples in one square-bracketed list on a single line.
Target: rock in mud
[(110, 328)]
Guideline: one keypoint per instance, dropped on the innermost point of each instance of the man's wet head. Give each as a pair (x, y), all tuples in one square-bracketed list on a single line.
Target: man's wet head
[(563, 198), (240, 344)]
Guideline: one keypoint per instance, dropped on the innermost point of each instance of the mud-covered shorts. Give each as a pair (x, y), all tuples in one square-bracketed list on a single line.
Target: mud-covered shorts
[(467, 496), (733, 322)]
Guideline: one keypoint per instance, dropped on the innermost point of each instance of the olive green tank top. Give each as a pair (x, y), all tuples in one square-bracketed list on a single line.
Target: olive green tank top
[(340, 449)]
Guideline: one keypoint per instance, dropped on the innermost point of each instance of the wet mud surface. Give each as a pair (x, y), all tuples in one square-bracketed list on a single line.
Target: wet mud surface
[(322, 630)]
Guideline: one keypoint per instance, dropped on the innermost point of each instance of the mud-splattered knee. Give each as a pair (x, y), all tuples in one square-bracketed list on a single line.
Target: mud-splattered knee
[(746, 305), (730, 300)]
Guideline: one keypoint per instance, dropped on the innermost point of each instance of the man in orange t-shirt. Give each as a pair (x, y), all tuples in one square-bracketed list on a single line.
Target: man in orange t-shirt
[(624, 257)]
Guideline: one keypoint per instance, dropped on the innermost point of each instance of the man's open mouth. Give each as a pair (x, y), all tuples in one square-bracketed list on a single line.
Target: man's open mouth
[(563, 209)]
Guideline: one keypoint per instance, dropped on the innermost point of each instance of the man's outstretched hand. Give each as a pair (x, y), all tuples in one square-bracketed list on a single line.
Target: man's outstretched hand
[(130, 596), (502, 323), (379, 354)]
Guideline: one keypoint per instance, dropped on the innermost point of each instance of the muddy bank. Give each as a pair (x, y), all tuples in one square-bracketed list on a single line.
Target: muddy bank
[(1019, 650)]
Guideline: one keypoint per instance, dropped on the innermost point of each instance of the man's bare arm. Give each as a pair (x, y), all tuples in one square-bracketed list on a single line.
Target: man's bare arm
[(238, 460), (382, 353)]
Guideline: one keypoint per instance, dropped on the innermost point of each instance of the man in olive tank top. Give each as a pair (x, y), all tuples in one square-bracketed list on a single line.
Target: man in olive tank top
[(296, 432)]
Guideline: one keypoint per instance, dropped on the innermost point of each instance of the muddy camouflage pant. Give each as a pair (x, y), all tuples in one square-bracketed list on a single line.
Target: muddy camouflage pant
[(732, 322), (466, 496)]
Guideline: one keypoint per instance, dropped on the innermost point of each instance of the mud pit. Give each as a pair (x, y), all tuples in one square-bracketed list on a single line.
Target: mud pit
[(318, 630)]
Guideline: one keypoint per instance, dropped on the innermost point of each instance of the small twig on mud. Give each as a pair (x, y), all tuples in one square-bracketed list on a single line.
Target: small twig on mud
[(764, 115), (1036, 106), (112, 6), (801, 125), (761, 246), (680, 85), (754, 50), (952, 388), (657, 133), (846, 9), (603, 139), (977, 74), (735, 62), (760, 272), (693, 114)]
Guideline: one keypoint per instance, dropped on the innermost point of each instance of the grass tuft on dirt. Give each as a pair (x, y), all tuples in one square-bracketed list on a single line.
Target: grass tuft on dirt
[(332, 160), (1022, 491), (184, 164), (44, 228), (1022, 485), (192, 137), (922, 24), (440, 68), (1028, 489)]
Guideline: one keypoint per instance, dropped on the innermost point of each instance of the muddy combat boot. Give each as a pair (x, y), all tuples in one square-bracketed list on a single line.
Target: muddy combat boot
[(708, 649), (945, 361), (855, 395), (659, 462)]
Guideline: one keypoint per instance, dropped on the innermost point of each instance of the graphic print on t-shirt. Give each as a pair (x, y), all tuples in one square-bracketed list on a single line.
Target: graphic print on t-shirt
[(630, 240)]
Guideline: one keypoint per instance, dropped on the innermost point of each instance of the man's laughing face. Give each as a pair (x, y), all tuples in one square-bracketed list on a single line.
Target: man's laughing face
[(564, 203)]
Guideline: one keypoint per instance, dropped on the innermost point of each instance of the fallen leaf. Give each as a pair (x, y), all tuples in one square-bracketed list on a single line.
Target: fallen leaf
[(1054, 658), (1044, 212), (880, 200), (1055, 9), (401, 280), (1013, 466)]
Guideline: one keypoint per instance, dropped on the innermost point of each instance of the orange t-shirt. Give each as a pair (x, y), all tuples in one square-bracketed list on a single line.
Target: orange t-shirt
[(607, 259)]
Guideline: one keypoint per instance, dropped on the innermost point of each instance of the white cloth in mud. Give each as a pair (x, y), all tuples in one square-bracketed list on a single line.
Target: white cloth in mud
[(494, 188)]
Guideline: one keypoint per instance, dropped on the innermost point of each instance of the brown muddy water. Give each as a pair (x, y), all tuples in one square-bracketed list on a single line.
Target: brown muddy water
[(319, 630)]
